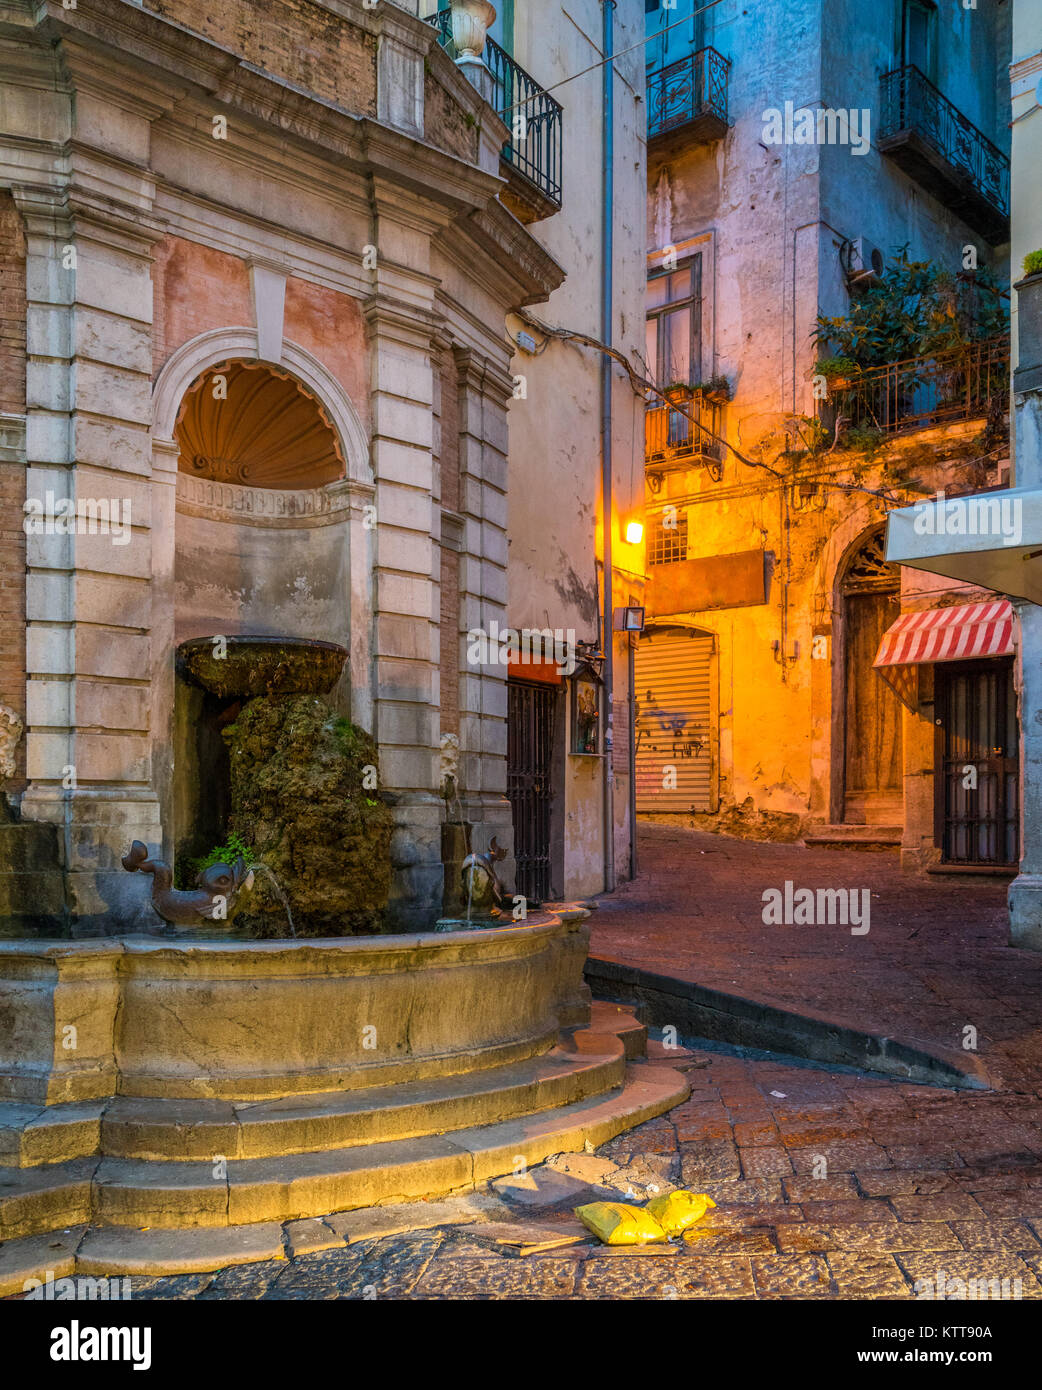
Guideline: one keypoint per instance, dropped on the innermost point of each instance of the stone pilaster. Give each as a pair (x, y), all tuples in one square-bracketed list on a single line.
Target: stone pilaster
[(405, 656), (484, 390), (88, 595)]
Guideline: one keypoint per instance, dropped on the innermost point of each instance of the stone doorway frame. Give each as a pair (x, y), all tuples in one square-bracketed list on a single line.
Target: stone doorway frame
[(838, 740)]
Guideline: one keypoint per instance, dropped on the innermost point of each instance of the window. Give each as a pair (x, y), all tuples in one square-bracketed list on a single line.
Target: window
[(668, 543), (674, 329)]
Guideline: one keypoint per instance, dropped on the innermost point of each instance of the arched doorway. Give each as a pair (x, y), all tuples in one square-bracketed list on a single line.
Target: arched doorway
[(873, 764)]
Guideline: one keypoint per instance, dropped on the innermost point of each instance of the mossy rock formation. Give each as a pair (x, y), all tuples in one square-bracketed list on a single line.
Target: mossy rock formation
[(298, 799)]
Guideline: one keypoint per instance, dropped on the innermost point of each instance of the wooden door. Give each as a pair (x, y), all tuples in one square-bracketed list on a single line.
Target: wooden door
[(873, 768)]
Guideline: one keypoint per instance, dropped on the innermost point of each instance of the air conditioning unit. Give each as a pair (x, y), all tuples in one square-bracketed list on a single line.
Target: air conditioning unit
[(862, 262)]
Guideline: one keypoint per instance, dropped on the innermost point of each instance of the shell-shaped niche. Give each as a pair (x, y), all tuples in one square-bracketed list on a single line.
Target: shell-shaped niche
[(249, 423)]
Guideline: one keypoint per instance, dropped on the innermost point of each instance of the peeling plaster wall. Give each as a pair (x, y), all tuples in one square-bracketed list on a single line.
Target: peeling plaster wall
[(280, 581), (769, 221), (555, 464)]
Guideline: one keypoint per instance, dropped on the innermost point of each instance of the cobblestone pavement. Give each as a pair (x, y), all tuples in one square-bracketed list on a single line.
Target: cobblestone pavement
[(829, 1184)]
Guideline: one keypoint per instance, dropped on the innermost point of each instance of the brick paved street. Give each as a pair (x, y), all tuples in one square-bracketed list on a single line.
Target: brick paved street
[(829, 1183), (934, 961)]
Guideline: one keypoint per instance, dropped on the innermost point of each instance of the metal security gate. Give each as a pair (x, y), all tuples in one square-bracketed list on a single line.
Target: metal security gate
[(676, 749), (531, 709), (978, 759)]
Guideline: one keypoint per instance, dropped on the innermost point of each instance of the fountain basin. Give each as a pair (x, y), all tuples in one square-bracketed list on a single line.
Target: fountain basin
[(255, 666), (257, 1020)]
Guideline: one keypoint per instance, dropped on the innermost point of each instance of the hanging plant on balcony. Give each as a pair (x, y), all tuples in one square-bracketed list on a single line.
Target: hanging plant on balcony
[(715, 391), (678, 391), (916, 309), (839, 372)]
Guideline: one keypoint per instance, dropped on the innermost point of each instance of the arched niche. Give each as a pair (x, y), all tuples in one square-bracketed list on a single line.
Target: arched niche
[(261, 546), (255, 425)]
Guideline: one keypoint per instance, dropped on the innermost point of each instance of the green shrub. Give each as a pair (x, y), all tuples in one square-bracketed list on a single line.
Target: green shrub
[(830, 367), (234, 847), (915, 309)]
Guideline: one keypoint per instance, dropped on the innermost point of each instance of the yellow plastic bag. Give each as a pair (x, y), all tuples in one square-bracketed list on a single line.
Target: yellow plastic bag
[(615, 1223), (678, 1210)]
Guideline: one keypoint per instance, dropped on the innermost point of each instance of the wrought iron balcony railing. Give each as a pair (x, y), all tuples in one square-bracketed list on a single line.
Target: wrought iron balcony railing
[(534, 117), (674, 436), (928, 137), (690, 95), (919, 392)]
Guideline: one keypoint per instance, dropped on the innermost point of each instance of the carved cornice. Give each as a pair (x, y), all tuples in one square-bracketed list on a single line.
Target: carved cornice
[(478, 373), (258, 506), (395, 318), (514, 252)]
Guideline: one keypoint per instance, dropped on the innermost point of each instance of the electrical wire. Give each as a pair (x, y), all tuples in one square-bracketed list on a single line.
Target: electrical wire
[(620, 54)]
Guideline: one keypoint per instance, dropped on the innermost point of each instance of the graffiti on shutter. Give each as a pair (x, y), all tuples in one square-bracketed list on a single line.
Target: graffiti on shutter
[(676, 743)]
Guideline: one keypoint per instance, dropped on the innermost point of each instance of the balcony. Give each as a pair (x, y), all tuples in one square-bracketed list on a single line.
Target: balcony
[(531, 160), (922, 392), (676, 439), (934, 143), (687, 101)]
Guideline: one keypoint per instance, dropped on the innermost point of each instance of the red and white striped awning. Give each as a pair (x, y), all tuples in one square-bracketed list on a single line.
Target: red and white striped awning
[(960, 633)]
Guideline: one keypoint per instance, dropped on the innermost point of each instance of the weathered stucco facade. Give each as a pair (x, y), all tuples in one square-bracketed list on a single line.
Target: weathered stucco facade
[(773, 226), (556, 503), (297, 199), (978, 558)]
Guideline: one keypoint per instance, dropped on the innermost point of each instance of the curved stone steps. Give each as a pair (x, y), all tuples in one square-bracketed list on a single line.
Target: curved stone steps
[(186, 1130), (32, 1134), (190, 1195), (607, 1016)]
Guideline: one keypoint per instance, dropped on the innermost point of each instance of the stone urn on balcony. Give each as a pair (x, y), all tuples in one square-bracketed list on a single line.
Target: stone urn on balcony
[(471, 20)]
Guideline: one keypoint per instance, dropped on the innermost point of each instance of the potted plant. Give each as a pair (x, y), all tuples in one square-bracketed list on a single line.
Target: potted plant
[(678, 391), (839, 372), (715, 391), (1028, 376)]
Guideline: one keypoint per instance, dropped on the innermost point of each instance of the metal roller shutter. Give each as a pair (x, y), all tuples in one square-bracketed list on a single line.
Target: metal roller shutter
[(674, 722)]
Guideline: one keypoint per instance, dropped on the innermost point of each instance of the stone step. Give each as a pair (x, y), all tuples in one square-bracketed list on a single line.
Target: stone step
[(621, 1019), (854, 837), (165, 1196), (45, 1198), (186, 1130), (585, 1061), (35, 1134)]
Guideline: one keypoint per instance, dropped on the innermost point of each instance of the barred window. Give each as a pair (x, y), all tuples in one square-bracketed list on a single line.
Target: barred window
[(667, 539)]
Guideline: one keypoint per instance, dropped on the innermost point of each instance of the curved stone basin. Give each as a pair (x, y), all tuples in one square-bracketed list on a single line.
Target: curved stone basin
[(263, 665), (263, 1019)]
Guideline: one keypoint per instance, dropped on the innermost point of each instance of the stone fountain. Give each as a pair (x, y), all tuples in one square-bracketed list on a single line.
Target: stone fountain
[(297, 784), (334, 1073)]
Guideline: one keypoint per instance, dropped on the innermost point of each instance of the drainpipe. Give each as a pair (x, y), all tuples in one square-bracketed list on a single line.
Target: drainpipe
[(607, 336)]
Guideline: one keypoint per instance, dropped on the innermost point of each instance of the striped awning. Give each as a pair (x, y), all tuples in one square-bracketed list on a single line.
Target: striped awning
[(960, 633)]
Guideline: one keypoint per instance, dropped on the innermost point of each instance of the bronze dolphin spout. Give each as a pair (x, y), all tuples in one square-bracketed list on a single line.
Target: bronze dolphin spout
[(481, 886), (213, 899)]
